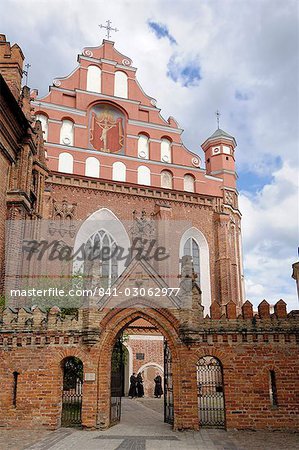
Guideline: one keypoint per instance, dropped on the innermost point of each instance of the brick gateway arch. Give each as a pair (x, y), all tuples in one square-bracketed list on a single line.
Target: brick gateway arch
[(113, 324)]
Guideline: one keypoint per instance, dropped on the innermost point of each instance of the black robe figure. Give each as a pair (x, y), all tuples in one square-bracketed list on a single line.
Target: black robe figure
[(140, 389), (133, 387), (158, 386)]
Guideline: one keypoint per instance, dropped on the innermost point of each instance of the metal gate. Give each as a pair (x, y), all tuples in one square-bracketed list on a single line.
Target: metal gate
[(210, 393), (72, 392), (168, 386), (117, 369)]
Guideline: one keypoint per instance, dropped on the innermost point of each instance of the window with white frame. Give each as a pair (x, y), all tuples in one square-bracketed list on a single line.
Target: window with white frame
[(92, 167), (143, 146), (65, 163), (189, 183), (166, 179), (120, 84), (166, 150), (144, 175), (118, 171), (93, 79), (67, 132)]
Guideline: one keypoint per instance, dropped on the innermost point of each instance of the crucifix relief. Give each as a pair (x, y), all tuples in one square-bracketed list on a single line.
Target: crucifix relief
[(107, 129)]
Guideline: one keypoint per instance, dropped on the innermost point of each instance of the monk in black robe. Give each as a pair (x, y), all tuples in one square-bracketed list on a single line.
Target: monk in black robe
[(140, 389), (133, 386), (158, 386)]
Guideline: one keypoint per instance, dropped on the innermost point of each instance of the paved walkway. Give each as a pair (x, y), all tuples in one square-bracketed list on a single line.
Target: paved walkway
[(142, 428)]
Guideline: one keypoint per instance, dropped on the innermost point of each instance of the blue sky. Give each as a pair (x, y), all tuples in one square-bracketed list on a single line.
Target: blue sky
[(194, 57)]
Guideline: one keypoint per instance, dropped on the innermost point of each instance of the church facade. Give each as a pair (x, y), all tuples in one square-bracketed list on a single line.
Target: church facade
[(118, 176)]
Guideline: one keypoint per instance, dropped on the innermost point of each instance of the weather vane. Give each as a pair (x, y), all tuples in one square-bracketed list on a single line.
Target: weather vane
[(218, 117), (26, 72), (108, 28)]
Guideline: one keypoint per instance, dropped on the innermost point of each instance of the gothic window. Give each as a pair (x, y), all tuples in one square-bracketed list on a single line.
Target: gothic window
[(101, 265), (118, 171), (93, 79), (166, 150), (67, 132), (194, 243), (92, 167), (143, 146), (144, 175), (166, 179), (189, 183), (44, 122), (120, 84), (191, 248), (65, 163)]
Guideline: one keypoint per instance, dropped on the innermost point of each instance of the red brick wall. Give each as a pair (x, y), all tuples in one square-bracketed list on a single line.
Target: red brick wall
[(246, 368)]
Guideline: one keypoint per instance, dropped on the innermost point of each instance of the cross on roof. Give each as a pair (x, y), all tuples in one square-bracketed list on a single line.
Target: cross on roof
[(108, 28), (26, 72), (218, 117)]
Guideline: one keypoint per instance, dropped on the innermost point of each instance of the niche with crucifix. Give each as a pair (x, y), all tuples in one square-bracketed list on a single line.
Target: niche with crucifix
[(107, 129)]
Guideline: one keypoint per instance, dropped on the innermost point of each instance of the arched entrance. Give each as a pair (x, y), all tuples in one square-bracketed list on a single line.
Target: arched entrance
[(116, 324), (211, 407), (72, 392)]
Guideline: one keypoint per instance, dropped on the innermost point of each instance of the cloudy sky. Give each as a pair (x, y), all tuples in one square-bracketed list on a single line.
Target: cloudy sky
[(194, 57)]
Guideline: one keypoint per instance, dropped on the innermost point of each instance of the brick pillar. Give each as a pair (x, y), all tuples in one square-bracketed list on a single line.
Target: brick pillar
[(223, 263), (187, 416)]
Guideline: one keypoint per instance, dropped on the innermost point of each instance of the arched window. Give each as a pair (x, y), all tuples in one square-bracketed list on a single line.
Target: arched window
[(189, 183), (93, 79), (118, 171), (92, 167), (194, 244), (211, 408), (44, 122), (103, 219), (65, 163), (166, 150), (191, 248), (143, 146), (120, 84), (166, 179), (144, 175), (67, 132), (101, 263)]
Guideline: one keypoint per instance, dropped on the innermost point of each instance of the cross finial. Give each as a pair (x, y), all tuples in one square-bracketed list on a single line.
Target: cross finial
[(108, 28), (218, 117), (26, 72)]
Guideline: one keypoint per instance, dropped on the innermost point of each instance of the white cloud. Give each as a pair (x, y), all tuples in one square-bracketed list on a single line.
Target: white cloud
[(270, 238)]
